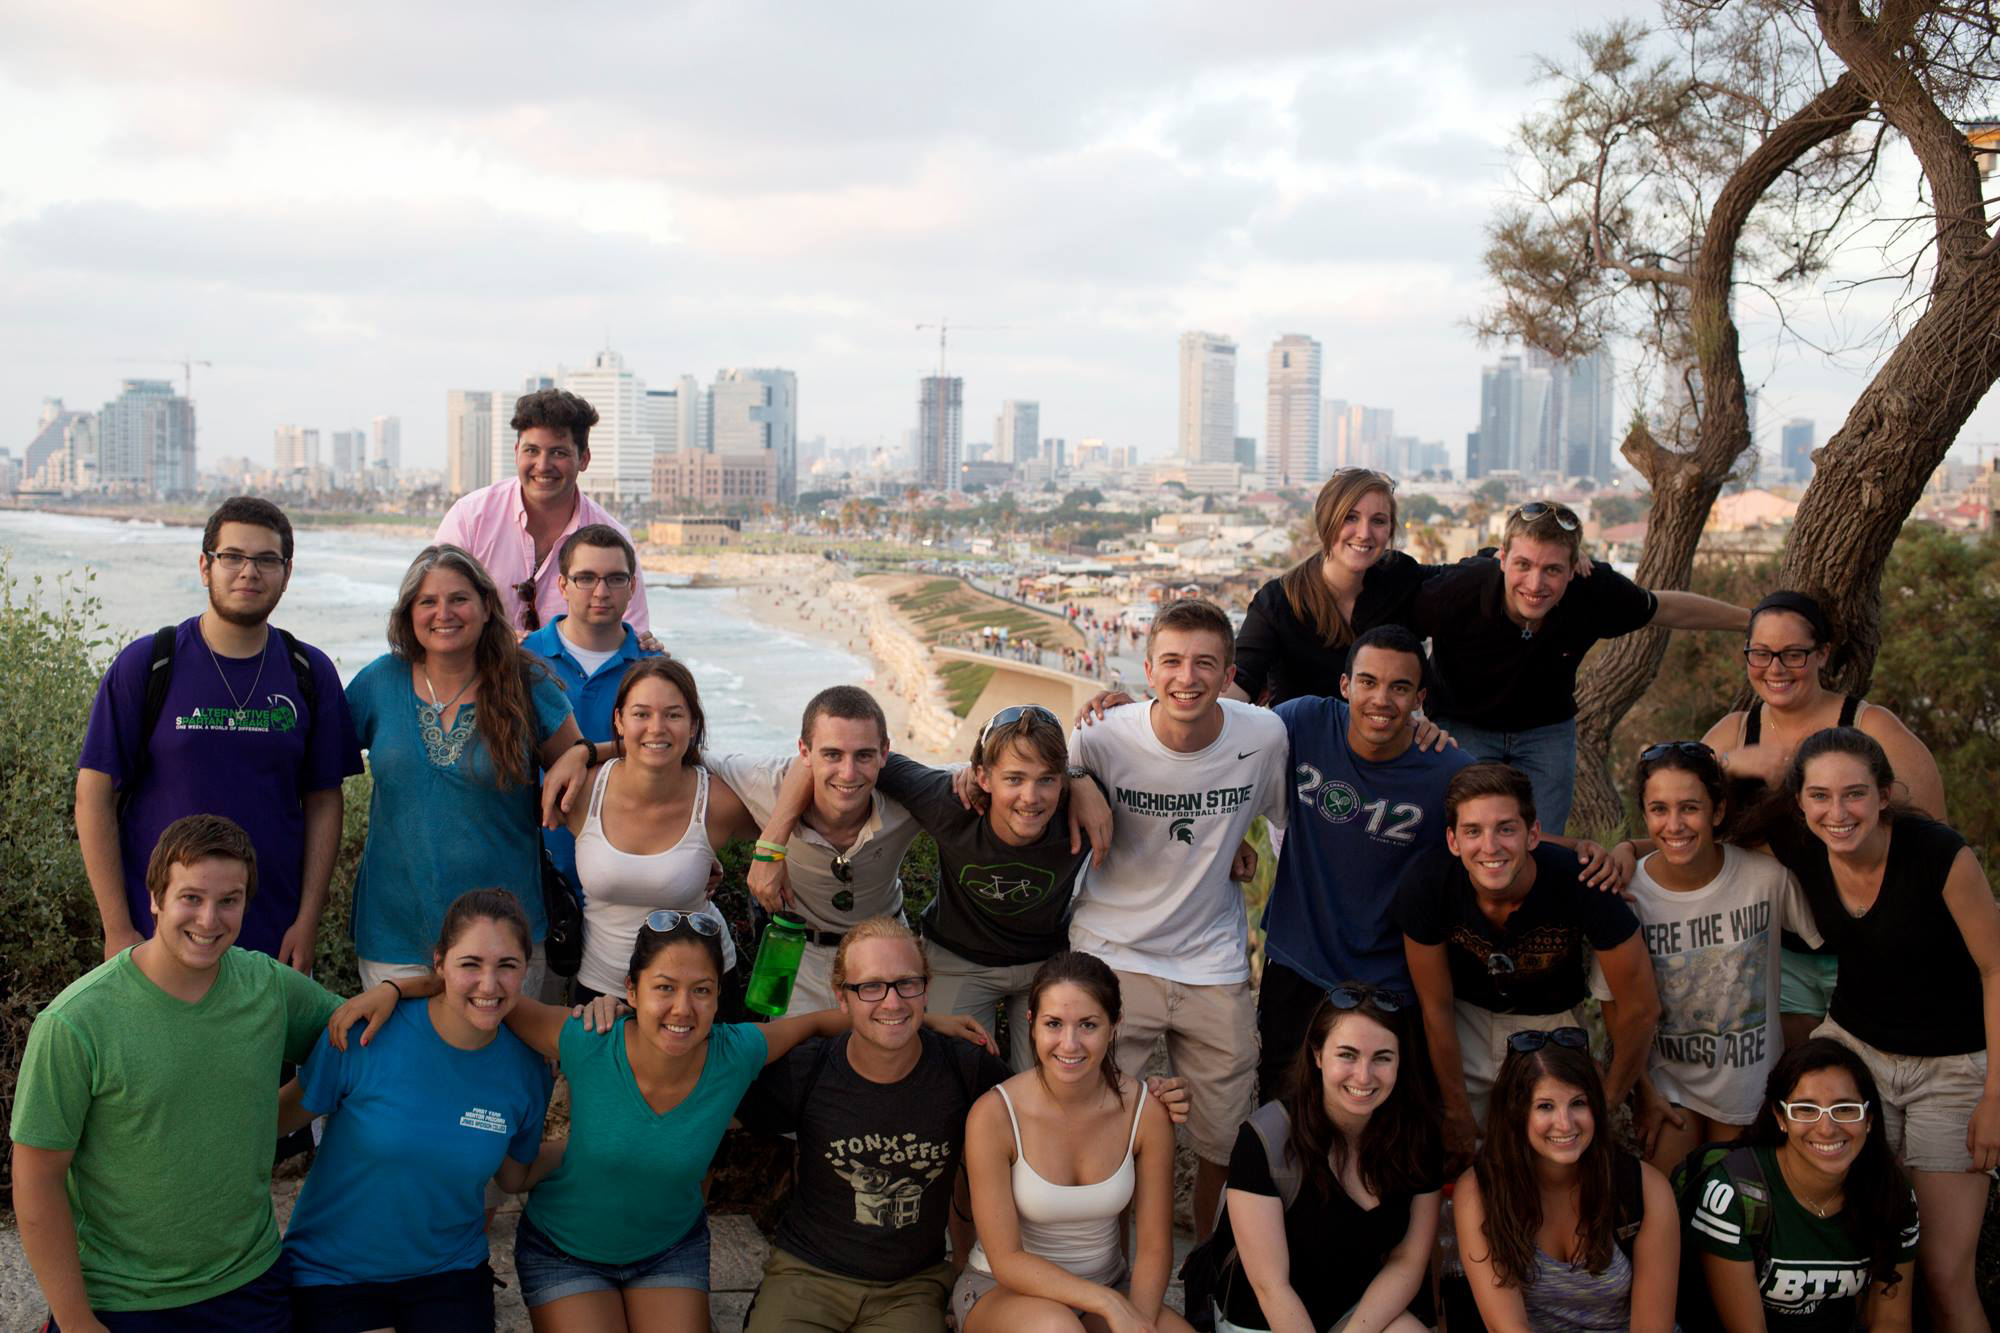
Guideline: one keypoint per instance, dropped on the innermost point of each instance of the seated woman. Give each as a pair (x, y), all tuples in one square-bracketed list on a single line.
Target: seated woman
[(1906, 909), (1559, 1230), (1712, 915), (390, 1229), (1833, 1204), (1049, 1251), (1361, 1158)]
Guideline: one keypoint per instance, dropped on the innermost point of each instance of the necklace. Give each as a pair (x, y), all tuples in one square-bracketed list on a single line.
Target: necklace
[(1818, 1209), (436, 706), (242, 706)]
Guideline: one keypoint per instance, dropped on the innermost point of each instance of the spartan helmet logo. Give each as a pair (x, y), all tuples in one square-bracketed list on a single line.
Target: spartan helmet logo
[(1182, 830)]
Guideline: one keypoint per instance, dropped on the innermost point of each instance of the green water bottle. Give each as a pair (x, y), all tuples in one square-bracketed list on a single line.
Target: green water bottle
[(778, 954)]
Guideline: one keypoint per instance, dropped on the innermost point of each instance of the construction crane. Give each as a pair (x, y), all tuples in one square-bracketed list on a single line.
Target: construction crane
[(944, 327), (186, 363)]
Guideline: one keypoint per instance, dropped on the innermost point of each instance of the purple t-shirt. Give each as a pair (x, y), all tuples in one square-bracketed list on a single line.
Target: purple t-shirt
[(205, 758)]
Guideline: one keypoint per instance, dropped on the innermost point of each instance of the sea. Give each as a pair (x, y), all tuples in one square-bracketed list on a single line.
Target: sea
[(755, 679)]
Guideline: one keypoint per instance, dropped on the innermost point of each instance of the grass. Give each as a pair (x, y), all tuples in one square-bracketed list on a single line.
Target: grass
[(939, 608), (964, 682)]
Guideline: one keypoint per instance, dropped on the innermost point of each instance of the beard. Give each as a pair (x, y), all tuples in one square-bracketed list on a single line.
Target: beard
[(242, 619)]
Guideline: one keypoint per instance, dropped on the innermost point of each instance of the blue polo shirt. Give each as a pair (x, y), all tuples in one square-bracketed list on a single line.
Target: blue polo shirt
[(1352, 828), (592, 697)]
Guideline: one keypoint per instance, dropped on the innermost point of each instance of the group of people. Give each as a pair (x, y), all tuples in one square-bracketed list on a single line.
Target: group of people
[(1417, 1031)]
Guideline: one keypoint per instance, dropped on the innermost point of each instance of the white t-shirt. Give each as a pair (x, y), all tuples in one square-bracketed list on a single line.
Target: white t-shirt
[(1163, 903), (589, 658), (1715, 958)]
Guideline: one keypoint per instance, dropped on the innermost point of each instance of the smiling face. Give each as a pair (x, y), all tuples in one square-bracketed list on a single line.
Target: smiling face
[(1536, 573), (1840, 801), (845, 755), (675, 997), (547, 462), (1493, 842), (1072, 1034), (655, 723), (1680, 815), (1778, 685), (200, 912), (1559, 1121), (892, 1022), (1823, 1151), (448, 613), (1383, 688), (246, 595), (1364, 534), (1357, 1066), (600, 603), (482, 972), (1188, 669), (1023, 793)]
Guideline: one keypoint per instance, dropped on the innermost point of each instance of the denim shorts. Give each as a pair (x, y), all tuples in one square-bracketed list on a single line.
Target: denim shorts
[(548, 1274)]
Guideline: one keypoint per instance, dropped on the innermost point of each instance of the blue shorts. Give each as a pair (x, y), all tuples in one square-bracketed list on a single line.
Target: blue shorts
[(261, 1305), (548, 1274), (1805, 982), (460, 1301)]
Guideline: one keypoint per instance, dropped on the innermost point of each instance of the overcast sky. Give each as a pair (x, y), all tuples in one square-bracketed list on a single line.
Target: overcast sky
[(352, 208)]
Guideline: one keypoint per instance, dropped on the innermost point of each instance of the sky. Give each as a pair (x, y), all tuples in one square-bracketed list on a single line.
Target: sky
[(351, 209)]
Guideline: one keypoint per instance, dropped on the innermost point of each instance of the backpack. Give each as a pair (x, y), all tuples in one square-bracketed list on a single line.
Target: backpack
[(160, 676), (1746, 1176), (1211, 1269)]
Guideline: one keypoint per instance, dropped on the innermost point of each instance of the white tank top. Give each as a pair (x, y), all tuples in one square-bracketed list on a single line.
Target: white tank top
[(1072, 1226), (621, 889)]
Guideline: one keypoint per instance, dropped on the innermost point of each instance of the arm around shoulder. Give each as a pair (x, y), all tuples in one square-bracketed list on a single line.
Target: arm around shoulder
[(1691, 610)]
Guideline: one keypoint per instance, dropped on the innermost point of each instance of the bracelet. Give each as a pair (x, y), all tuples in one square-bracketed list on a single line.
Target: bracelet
[(390, 982), (765, 856), (588, 744), (776, 849)]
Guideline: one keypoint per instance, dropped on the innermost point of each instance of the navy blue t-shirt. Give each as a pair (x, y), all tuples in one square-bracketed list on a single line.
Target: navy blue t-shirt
[(1354, 826)]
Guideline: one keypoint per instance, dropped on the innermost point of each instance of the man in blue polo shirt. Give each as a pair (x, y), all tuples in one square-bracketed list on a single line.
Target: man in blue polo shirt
[(1365, 800)]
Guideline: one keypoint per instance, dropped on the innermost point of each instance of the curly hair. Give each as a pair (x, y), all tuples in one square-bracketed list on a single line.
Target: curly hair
[(557, 410)]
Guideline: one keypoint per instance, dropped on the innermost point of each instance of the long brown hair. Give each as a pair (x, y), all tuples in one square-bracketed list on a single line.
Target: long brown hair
[(1303, 584), (1400, 1148), (676, 674), (1089, 974), (1780, 807), (505, 715), (1505, 1166)]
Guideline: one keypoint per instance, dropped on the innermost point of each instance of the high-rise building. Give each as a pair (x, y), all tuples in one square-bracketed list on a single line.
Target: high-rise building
[(663, 419), (1333, 447), (1246, 453), (1208, 398), (388, 432), (1795, 449), (621, 446), (1017, 430), (146, 440), (295, 448), (757, 411), (940, 431), (468, 439), (350, 456), (48, 438), (1055, 452), (1291, 414), (1588, 424), (1514, 431)]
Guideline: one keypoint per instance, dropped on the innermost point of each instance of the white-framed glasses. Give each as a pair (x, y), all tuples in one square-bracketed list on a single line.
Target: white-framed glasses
[(1841, 1113)]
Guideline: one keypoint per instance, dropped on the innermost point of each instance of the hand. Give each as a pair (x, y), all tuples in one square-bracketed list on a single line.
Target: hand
[(371, 1007), (1243, 865), (1766, 763), (1172, 1095), (1652, 1113), (715, 877), (118, 941), (1583, 565), (1121, 1316), (1626, 857), (1430, 736), (1600, 868), (795, 793), (1089, 817), (649, 644), (962, 1026), (300, 945), (965, 786), (1982, 1136), (561, 784), (1100, 703), (766, 881), (601, 1014)]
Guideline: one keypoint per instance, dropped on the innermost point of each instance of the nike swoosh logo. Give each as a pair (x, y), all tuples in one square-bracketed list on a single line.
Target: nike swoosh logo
[(1246, 754)]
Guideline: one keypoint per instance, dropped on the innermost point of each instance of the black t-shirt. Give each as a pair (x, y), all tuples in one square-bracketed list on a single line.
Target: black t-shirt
[(1489, 674), (1540, 967), (1907, 984), (1290, 655), (877, 1161), (997, 904), (1336, 1246)]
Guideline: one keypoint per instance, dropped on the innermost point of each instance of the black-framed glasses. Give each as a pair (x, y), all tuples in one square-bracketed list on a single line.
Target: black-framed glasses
[(233, 561), (531, 615), (1006, 717), (843, 869), (1529, 1040), (1840, 1113), (666, 921), (587, 580), (1535, 510), (1352, 995), (1693, 749), (872, 991), (1794, 658)]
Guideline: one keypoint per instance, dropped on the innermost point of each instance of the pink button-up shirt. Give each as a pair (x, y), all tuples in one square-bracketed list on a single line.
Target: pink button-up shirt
[(492, 523)]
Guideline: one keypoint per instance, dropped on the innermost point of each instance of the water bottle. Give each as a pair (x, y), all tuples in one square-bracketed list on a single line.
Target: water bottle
[(778, 954)]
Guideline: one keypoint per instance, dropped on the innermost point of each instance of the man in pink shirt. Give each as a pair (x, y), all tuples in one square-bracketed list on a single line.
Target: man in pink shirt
[(515, 527)]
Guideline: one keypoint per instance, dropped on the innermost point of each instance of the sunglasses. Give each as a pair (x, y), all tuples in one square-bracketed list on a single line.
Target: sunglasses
[(1529, 1040), (1536, 510), (531, 615), (666, 921), (843, 869), (1352, 995), (1693, 749), (1007, 717)]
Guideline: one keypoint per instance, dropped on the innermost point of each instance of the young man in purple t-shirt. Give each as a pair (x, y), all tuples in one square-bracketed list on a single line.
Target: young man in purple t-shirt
[(253, 726)]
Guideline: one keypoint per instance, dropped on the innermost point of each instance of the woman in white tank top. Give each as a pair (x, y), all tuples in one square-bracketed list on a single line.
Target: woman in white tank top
[(1055, 1155), (645, 838)]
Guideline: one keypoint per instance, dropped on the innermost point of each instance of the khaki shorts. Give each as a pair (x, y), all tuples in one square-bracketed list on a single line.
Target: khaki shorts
[(1211, 1034), (812, 988), (1482, 1045), (1927, 1100), (797, 1295), (961, 986)]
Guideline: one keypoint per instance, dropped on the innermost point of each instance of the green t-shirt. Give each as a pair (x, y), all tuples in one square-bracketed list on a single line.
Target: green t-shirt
[(172, 1111), (1818, 1276)]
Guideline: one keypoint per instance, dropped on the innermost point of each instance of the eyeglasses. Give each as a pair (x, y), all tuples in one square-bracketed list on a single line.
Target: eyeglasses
[(843, 869), (587, 580), (1530, 1040), (1353, 996), (871, 991), (666, 921), (1535, 510), (233, 561), (1840, 1113), (1697, 749), (531, 615), (1008, 716), (1791, 657)]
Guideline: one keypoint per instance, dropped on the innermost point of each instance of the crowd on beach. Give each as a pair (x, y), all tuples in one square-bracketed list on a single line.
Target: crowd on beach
[(1400, 1124)]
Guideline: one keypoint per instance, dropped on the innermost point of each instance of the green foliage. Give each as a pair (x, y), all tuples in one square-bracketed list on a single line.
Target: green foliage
[(964, 682), (1494, 492), (1421, 508), (1613, 510)]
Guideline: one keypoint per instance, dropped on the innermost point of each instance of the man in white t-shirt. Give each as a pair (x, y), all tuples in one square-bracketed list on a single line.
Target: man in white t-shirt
[(1187, 774)]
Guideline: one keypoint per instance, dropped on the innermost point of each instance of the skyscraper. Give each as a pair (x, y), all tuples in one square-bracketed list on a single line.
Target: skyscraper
[(1208, 398), (1333, 448), (350, 456), (940, 431), (1016, 433), (294, 448), (621, 447), (1291, 414), (1588, 424), (1795, 449), (695, 423), (388, 433), (757, 411), (146, 440)]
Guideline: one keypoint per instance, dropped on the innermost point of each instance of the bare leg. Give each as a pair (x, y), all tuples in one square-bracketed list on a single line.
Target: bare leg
[(1675, 1144), (585, 1312), (666, 1310), (1004, 1311), (1952, 1204)]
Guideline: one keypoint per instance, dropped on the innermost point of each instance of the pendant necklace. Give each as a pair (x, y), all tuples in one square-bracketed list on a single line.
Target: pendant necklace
[(437, 708), (242, 706)]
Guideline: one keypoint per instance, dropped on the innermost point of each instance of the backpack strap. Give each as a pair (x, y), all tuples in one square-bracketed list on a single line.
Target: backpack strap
[(1273, 1125), (1746, 1174), (159, 678), (302, 670)]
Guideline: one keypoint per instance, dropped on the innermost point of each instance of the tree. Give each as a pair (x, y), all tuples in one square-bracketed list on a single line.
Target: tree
[(1734, 148)]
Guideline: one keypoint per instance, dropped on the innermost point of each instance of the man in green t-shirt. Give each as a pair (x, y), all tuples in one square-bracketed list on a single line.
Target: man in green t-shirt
[(145, 1120)]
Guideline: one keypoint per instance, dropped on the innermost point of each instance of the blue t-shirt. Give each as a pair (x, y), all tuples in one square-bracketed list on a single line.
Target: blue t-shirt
[(207, 757), (437, 825), (1353, 826), (593, 697), (630, 1181), (415, 1129)]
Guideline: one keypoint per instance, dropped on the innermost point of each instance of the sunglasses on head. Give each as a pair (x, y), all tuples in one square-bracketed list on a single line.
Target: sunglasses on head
[(1534, 510), (1529, 1040), (1352, 995), (666, 921), (531, 615), (1007, 717), (1694, 749)]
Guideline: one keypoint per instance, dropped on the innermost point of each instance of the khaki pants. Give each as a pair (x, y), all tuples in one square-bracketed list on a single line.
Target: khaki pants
[(1211, 1034), (961, 986), (797, 1296)]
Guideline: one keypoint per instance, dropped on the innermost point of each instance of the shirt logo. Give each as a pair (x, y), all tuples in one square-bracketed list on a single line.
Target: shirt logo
[(1182, 830), (481, 1118), (1339, 802), (1009, 888), (281, 716)]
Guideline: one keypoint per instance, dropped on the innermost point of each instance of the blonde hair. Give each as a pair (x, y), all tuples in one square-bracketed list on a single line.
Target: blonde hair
[(875, 928)]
